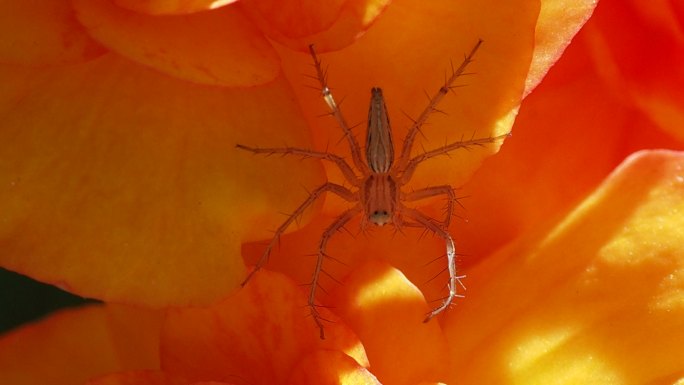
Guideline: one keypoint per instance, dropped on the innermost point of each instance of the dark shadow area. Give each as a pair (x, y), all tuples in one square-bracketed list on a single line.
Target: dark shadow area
[(24, 300)]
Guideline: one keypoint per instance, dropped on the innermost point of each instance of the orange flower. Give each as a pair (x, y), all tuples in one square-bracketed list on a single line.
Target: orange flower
[(119, 139), (123, 184)]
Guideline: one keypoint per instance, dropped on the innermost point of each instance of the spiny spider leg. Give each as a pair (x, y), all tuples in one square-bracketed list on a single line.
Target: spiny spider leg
[(377, 193), (443, 150), (432, 105), (428, 192), (344, 167), (337, 114), (341, 191), (332, 229), (430, 224)]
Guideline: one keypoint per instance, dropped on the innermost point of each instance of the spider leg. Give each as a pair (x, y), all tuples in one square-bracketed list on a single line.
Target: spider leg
[(444, 150), (332, 229), (430, 224), (337, 114), (306, 153), (433, 191), (432, 106), (328, 187)]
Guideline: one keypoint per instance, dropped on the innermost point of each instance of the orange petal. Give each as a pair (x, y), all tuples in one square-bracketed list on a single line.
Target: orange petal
[(598, 300), (73, 345), (146, 377), (559, 21), (330, 25), (125, 185), (257, 335), (143, 377), (326, 367), (415, 256), (161, 7), (387, 312), (191, 47), (39, 32), (417, 62), (571, 132), (639, 49), (405, 68)]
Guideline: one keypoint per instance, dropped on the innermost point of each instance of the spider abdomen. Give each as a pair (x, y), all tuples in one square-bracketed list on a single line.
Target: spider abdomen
[(379, 146)]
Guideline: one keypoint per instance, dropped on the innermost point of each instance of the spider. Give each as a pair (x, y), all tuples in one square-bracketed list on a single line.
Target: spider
[(377, 192)]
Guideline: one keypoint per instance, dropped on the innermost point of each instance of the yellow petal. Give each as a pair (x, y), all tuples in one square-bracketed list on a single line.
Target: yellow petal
[(387, 312), (599, 300), (559, 21)]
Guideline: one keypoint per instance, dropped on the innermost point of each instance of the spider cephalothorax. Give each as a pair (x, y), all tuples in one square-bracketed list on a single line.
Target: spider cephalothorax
[(377, 183)]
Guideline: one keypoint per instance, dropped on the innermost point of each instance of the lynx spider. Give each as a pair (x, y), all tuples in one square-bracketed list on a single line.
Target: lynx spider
[(378, 192)]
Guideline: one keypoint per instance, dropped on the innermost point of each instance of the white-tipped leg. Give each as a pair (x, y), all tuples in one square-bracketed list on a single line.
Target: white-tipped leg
[(454, 279), (354, 147)]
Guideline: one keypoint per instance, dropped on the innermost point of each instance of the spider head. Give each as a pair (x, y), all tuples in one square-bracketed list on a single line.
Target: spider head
[(380, 217)]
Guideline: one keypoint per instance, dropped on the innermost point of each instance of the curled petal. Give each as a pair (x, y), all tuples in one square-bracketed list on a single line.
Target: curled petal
[(387, 311), (559, 21), (326, 367), (329, 25), (219, 47)]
